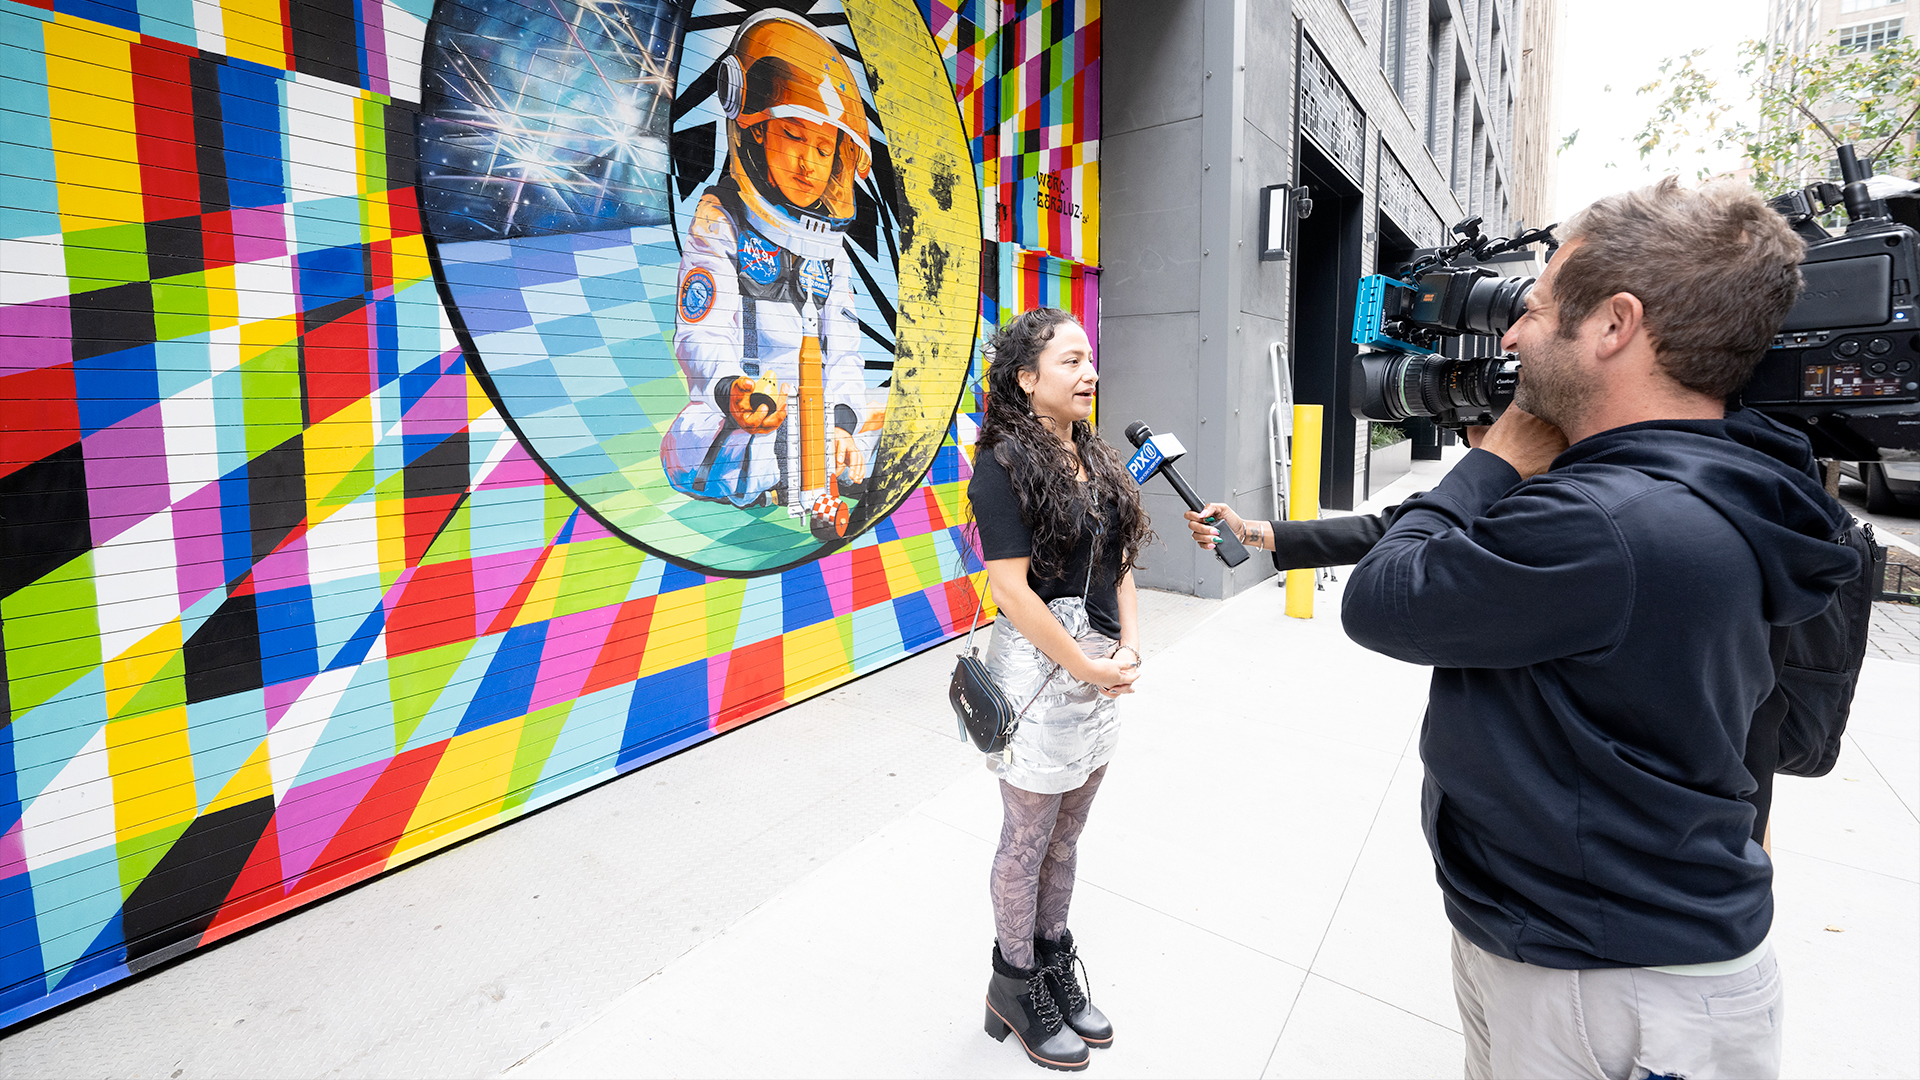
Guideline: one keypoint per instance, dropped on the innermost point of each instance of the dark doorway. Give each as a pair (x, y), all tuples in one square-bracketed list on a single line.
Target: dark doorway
[(1326, 281)]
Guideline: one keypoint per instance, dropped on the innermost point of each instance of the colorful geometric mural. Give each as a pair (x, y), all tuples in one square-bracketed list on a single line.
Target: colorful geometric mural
[(303, 569), (1050, 129), (1030, 279)]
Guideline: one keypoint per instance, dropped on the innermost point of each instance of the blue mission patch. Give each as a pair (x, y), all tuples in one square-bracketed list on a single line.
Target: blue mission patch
[(816, 277), (759, 258), (696, 294)]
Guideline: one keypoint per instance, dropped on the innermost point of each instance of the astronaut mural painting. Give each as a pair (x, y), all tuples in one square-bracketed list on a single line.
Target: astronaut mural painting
[(706, 259), (780, 411)]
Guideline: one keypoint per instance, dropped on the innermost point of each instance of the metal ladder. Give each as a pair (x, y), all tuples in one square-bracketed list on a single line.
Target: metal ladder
[(1280, 445), (1280, 428)]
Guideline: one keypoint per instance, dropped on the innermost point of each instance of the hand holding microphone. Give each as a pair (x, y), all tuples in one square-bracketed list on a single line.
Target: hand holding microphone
[(1156, 454), (1214, 520)]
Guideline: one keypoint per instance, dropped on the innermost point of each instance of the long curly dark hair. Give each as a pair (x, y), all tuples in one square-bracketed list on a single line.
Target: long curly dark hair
[(1053, 502)]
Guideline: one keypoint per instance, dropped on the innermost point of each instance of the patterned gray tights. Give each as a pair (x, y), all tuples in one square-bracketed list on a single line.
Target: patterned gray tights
[(1032, 881)]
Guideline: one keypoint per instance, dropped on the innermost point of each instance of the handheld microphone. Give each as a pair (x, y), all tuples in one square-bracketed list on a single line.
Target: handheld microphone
[(1156, 454)]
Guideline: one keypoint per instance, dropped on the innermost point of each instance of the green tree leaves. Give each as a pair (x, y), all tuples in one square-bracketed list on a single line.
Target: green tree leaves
[(1808, 103)]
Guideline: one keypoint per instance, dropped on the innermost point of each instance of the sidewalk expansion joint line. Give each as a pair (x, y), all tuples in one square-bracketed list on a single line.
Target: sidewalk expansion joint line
[(963, 831), (1372, 824), (600, 1013), (1883, 777), (1389, 1004), (1209, 931), (1850, 866)]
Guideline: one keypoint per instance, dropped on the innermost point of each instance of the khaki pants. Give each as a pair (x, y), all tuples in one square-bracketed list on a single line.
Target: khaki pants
[(1615, 1023)]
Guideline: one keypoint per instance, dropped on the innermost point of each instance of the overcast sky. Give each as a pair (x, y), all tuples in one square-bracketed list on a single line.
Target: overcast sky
[(1619, 44)]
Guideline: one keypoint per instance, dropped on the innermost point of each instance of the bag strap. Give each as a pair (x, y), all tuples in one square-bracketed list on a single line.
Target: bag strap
[(1093, 546), (1021, 715), (978, 601)]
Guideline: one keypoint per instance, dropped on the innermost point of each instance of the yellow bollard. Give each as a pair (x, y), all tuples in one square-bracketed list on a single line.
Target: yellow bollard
[(1303, 500)]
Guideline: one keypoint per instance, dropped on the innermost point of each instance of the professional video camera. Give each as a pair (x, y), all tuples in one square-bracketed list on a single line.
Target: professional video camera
[(1404, 318), (1845, 368)]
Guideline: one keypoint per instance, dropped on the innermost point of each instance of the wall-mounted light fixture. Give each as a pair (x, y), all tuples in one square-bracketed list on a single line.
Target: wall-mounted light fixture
[(1281, 206)]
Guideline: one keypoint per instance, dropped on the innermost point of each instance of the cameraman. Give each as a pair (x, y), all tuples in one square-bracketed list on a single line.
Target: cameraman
[(1343, 541), (1599, 624)]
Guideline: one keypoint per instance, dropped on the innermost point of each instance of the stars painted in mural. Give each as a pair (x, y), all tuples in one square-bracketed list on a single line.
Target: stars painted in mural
[(549, 121)]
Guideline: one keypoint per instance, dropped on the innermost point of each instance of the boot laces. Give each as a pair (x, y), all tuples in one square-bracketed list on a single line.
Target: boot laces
[(1043, 1003), (1077, 998)]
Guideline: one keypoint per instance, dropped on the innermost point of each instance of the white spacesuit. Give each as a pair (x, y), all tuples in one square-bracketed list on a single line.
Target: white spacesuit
[(764, 328)]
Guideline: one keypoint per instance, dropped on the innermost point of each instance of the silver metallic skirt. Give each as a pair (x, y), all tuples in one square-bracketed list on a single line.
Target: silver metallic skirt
[(1070, 728)]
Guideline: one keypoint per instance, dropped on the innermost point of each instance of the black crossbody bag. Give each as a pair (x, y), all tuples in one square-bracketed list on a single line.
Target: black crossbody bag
[(981, 707), (985, 714)]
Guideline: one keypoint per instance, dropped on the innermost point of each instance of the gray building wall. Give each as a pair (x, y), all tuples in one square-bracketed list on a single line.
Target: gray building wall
[(1199, 113), (1186, 307)]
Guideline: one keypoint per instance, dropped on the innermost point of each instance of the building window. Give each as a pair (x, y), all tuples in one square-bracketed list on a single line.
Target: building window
[(1866, 37), (1439, 76), (1433, 97), (1393, 45), (1848, 6), (1330, 115)]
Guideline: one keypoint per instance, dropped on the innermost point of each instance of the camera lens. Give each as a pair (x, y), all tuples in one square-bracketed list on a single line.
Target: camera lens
[(1400, 389), (1482, 386), (1386, 386), (1459, 386), (1495, 304), (1391, 387), (1456, 386)]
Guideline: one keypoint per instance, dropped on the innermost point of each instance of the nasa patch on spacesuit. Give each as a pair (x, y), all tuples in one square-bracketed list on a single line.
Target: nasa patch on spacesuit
[(696, 294), (759, 258)]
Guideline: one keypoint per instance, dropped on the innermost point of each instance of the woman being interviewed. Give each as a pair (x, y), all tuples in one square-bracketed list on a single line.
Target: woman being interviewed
[(1060, 525)]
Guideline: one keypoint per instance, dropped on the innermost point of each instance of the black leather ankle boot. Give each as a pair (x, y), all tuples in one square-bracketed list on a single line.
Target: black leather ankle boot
[(1018, 1000), (1057, 958)]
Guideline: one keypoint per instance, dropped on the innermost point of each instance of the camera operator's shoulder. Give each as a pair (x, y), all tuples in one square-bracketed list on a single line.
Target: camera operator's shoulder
[(1553, 511), (1575, 509), (1652, 520), (1609, 486)]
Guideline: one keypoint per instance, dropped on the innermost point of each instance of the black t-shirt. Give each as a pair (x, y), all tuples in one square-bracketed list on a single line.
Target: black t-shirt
[(1004, 535)]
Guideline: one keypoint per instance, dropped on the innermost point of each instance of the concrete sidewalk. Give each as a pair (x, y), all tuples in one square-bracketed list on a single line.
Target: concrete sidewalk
[(1255, 897)]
